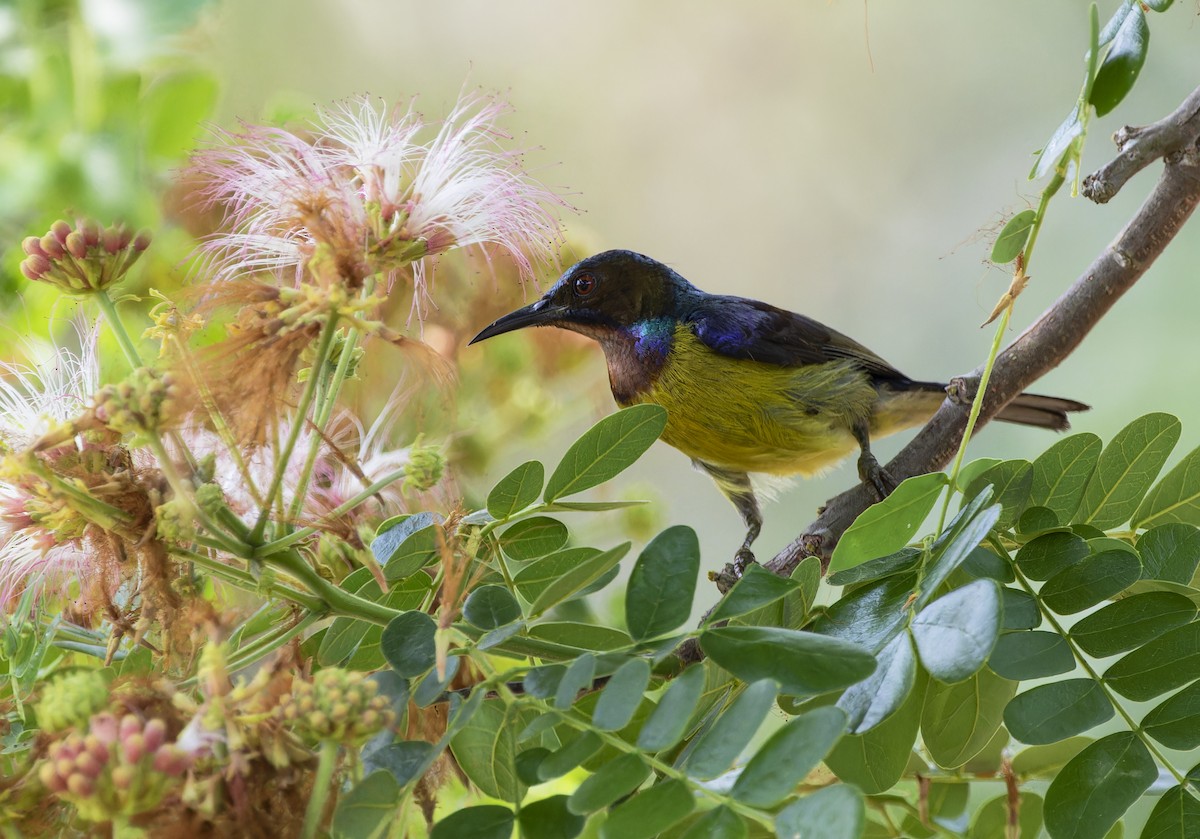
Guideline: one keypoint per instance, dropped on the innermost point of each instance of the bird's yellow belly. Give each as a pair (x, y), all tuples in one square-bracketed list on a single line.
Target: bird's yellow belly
[(753, 417)]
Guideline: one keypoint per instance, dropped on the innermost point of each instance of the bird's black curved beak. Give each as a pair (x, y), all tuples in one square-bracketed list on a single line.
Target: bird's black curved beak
[(540, 313)]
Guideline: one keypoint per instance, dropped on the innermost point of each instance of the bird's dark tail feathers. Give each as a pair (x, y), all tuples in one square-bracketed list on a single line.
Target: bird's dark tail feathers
[(1026, 408), (1041, 411)]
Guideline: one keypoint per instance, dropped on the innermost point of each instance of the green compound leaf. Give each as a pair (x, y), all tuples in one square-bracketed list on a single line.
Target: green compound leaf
[(1013, 237), (533, 538), (1052, 712), (489, 607), (1096, 788), (875, 760), (955, 633), (1060, 141), (578, 578), (839, 811), (537, 576), (881, 694), (569, 755), (1011, 482), (549, 818), (582, 636), (756, 588), (1051, 553), (610, 784), (1170, 552), (717, 823), (516, 490), (1176, 722), (367, 810), (408, 644), (1031, 655), (959, 720), (905, 559), (1175, 816), (488, 821), (1088, 582), (1131, 622), (1046, 761), (578, 676), (719, 747), (662, 584), (803, 663), (405, 544), (1176, 498), (1062, 472), (621, 696), (649, 813), (788, 756), (1169, 661), (1123, 63), (606, 449), (1126, 469), (888, 526), (486, 748), (668, 723)]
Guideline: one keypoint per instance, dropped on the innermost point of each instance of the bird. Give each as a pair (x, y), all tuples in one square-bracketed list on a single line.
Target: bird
[(749, 388)]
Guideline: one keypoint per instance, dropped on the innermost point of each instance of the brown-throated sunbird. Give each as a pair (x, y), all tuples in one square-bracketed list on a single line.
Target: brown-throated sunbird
[(748, 387)]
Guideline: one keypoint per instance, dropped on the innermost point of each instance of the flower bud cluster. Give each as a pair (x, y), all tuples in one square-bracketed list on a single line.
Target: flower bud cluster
[(140, 404), (82, 259), (119, 768), (424, 468), (69, 700), (340, 705)]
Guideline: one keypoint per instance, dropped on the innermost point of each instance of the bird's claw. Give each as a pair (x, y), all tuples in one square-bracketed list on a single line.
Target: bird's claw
[(878, 482), (742, 560)]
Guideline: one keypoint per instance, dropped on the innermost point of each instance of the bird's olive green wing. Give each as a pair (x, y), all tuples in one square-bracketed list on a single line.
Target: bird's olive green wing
[(742, 328)]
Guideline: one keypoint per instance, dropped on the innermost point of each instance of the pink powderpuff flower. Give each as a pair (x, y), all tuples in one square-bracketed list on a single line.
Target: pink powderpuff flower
[(371, 189), (54, 388)]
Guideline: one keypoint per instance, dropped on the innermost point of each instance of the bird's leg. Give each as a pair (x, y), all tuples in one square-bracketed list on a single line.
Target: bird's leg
[(878, 481), (737, 488)]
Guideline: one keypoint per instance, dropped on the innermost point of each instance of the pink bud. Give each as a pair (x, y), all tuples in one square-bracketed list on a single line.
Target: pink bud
[(32, 245), (104, 728), (76, 246), (112, 240), (91, 232), (133, 747), (52, 247), (97, 748), (171, 761), (86, 763), (141, 241), (154, 735), (122, 776), (80, 785), (125, 236), (50, 779), (129, 723), (64, 766), (60, 229), (30, 268)]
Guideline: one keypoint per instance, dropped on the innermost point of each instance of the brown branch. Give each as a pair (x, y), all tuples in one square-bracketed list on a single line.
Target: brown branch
[(1139, 147), (1042, 346)]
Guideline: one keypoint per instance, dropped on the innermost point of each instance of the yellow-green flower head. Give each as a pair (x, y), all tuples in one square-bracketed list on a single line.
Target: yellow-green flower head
[(339, 705), (70, 700)]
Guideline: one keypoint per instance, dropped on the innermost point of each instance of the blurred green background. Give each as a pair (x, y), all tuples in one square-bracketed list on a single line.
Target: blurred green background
[(848, 160)]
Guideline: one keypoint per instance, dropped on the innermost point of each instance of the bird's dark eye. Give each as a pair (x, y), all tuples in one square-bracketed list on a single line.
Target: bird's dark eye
[(585, 284)]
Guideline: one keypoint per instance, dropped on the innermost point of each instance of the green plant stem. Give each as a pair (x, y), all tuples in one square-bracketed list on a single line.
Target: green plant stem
[(109, 308), (339, 601), (324, 342), (325, 405), (321, 783), (246, 581), (268, 643), (1083, 662), (663, 769), (284, 542), (973, 417)]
